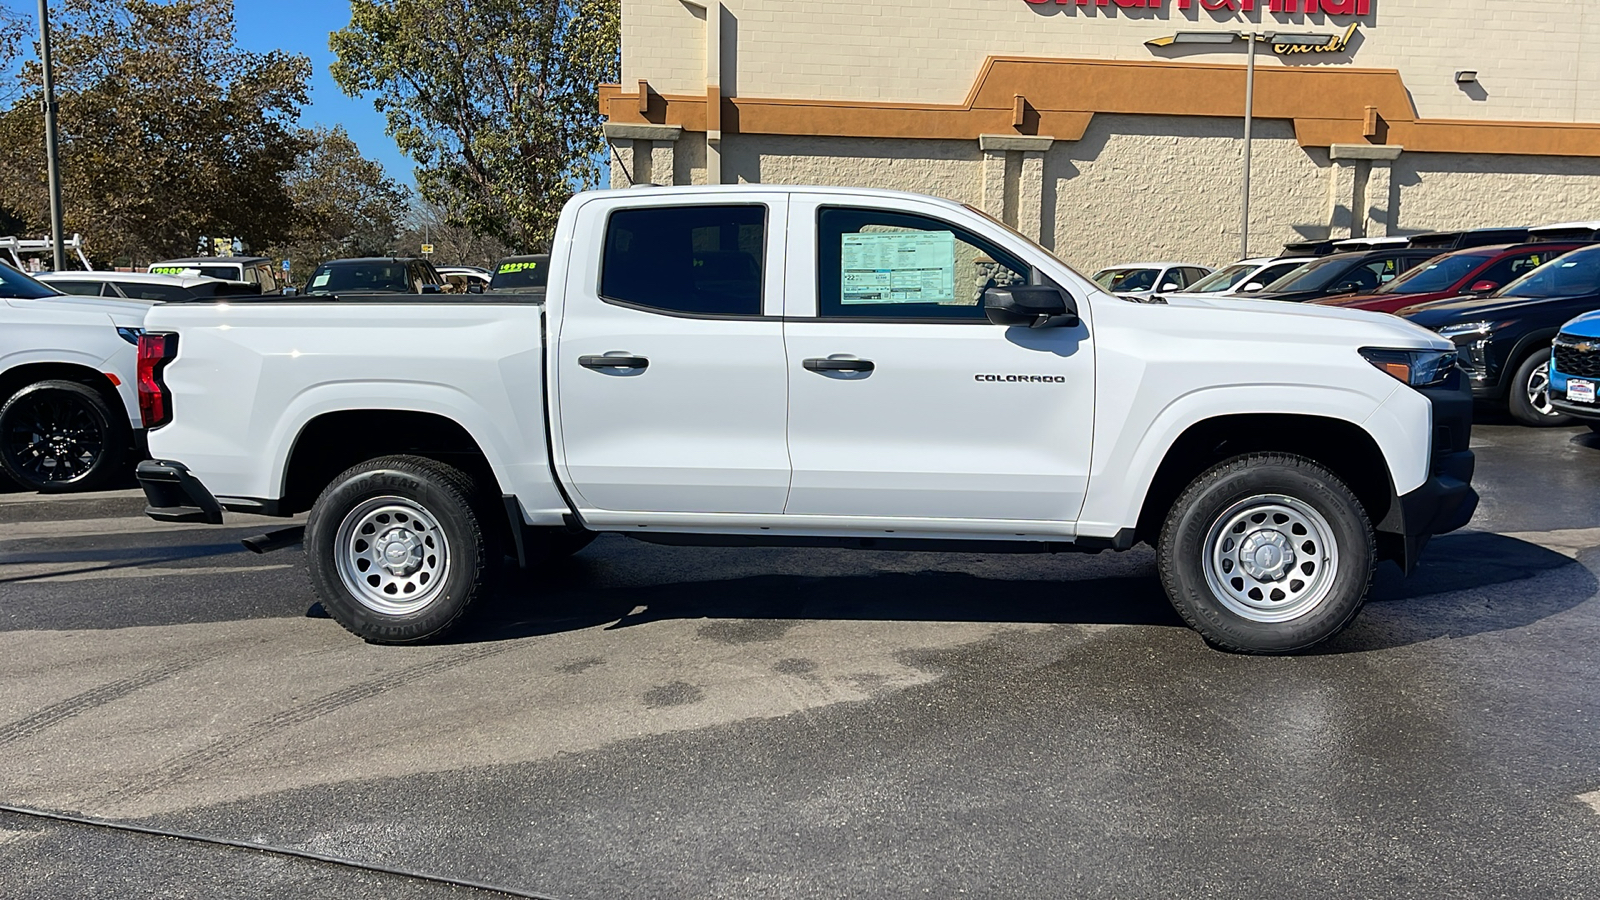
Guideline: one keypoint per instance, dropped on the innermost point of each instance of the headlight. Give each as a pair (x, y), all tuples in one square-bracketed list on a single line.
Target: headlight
[(1463, 329), (1418, 368), (131, 335)]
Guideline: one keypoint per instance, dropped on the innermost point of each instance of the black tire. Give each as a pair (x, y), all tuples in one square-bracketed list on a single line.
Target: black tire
[(1593, 426), (1528, 397), (430, 507), (1281, 486), (59, 436)]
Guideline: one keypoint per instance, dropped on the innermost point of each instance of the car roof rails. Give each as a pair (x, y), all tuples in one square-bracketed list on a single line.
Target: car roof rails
[(1582, 232), (1351, 245), (1472, 237), (1308, 248)]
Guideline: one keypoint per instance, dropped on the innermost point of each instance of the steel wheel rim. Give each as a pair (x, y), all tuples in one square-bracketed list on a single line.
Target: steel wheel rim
[(392, 556), (1538, 389), (1270, 558), (53, 439)]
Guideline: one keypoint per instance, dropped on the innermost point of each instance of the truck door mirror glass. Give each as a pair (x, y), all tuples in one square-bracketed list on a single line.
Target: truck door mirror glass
[(1484, 287), (1033, 305)]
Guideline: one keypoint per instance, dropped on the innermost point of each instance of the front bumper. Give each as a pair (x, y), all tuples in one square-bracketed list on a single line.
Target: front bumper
[(175, 495), (1446, 501)]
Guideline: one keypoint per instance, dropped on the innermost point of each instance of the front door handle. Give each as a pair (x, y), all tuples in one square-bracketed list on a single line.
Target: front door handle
[(838, 365), (613, 362)]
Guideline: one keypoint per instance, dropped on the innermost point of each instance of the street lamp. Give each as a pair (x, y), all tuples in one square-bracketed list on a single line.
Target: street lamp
[(1251, 38), (51, 148)]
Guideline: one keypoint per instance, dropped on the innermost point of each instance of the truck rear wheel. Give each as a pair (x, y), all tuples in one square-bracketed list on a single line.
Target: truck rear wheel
[(1267, 553), (397, 549)]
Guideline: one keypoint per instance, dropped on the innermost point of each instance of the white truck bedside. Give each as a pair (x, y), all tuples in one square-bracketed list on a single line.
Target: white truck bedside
[(813, 366)]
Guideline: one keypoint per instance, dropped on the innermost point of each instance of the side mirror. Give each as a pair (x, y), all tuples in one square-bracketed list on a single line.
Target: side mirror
[(1252, 287), (432, 289), (1169, 286), (1484, 287), (1033, 305), (474, 288), (1349, 287)]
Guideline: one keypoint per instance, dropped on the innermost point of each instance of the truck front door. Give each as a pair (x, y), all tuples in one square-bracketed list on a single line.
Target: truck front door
[(670, 388), (904, 400)]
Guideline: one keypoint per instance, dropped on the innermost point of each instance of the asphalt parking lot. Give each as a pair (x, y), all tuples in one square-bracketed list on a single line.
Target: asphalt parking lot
[(682, 722)]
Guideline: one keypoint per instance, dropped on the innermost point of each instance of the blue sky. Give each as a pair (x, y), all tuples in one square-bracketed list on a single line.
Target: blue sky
[(302, 26)]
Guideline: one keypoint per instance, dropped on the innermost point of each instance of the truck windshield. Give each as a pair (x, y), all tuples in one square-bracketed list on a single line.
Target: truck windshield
[(355, 278), (1439, 275), (16, 286), (1565, 276)]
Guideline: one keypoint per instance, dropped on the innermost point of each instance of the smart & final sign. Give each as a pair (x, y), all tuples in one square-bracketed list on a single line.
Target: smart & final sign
[(1326, 7)]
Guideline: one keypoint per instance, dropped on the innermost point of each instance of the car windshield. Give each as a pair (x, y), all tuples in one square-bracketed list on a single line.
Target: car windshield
[(1222, 279), (16, 286), (521, 274), (1576, 273), (1438, 275), (1127, 279), (1313, 276), (373, 277)]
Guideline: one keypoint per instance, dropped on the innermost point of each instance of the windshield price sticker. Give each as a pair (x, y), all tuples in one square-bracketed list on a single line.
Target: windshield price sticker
[(166, 270), (320, 280), (1580, 391), (517, 267), (915, 267)]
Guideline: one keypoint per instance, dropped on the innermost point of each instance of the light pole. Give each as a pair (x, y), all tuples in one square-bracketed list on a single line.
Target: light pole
[(1251, 38), (51, 149)]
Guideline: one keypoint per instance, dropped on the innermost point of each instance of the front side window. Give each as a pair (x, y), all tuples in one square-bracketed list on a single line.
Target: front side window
[(695, 260), (880, 264), (1439, 275), (1223, 279), (1576, 273), (1513, 267), (1127, 279)]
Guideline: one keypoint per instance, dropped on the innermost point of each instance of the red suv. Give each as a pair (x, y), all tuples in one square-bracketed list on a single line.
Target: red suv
[(1477, 270)]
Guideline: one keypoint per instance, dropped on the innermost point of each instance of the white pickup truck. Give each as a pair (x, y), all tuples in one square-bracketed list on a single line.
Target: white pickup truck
[(812, 366)]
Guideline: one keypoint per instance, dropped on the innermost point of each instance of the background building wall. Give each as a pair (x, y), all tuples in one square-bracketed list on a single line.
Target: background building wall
[(1432, 191)]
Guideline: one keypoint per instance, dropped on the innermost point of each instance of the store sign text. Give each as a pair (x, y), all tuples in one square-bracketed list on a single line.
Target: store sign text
[(1327, 7)]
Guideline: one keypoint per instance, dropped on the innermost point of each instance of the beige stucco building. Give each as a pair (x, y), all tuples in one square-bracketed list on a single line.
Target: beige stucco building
[(1075, 121)]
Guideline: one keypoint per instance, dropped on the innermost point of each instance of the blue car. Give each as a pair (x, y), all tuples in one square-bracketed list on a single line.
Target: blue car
[(1575, 369)]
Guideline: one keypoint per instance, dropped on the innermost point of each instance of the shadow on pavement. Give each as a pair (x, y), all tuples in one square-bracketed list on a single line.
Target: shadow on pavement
[(1446, 596)]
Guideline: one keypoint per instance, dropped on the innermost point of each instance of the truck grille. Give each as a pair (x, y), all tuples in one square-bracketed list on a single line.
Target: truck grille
[(1577, 356)]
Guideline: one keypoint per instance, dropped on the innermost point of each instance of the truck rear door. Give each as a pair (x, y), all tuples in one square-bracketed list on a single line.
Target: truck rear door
[(670, 391), (904, 400)]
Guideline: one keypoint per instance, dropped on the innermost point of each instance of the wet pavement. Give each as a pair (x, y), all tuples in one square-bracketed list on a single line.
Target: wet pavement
[(662, 722)]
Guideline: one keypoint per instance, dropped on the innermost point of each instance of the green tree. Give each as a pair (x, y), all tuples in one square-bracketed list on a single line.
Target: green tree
[(13, 32), (169, 129), (345, 205), (495, 100)]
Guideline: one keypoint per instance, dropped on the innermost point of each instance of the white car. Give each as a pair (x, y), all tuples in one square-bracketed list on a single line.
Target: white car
[(1245, 276), (143, 286), (755, 364), (254, 270), (465, 279), (1149, 281), (69, 408)]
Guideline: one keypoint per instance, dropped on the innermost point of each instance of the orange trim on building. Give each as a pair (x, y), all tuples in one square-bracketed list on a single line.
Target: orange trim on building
[(1327, 106)]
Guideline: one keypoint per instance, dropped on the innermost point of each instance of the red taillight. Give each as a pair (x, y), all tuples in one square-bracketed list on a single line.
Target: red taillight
[(155, 351)]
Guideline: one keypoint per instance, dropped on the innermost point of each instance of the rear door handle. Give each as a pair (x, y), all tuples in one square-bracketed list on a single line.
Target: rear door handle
[(613, 362), (838, 365)]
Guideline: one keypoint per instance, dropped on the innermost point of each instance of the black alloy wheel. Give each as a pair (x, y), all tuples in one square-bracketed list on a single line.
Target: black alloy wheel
[(58, 436)]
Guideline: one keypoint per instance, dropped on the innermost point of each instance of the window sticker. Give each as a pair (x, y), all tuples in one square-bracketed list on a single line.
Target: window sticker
[(517, 267), (166, 270), (904, 267), (321, 280)]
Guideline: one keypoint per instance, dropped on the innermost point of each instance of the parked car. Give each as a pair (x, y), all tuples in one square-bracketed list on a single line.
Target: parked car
[(1445, 241), (672, 387), (1575, 369), (1245, 276), (465, 279), (69, 410), (1503, 340), (1146, 281), (1325, 246), (375, 275), (1585, 232), (257, 270), (522, 273), (1342, 273), (143, 286), (1479, 271)]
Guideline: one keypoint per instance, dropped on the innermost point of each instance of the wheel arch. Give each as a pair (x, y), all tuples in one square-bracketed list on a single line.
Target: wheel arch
[(1342, 446), (20, 376)]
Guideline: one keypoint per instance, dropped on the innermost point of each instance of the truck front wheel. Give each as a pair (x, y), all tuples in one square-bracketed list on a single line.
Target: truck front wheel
[(397, 549), (1267, 553)]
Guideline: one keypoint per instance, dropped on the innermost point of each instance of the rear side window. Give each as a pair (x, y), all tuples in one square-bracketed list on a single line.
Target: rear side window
[(521, 274), (81, 288), (700, 260)]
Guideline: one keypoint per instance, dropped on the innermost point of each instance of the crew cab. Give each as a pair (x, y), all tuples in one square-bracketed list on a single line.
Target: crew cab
[(764, 365)]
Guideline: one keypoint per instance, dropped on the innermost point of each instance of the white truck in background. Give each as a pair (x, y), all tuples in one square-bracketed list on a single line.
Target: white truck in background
[(813, 366)]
